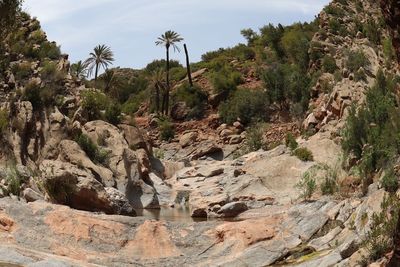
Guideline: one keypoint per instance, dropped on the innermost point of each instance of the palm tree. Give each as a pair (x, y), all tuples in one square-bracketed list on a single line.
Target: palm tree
[(79, 69), (112, 83), (102, 56), (168, 39), (157, 84)]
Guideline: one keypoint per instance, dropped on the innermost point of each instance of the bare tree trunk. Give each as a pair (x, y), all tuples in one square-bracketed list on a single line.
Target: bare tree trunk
[(188, 66)]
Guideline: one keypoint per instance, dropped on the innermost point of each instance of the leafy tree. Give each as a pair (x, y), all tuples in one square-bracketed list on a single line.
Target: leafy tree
[(372, 133), (93, 103), (244, 104), (357, 60), (271, 36), (102, 56), (287, 84), (160, 64), (194, 98), (8, 15), (250, 35), (168, 39), (296, 45)]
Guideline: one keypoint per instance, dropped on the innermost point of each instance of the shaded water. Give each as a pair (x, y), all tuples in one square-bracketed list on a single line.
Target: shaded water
[(4, 264), (177, 214)]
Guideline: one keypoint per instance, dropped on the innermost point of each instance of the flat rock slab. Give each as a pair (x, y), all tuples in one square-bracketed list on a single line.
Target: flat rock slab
[(62, 236)]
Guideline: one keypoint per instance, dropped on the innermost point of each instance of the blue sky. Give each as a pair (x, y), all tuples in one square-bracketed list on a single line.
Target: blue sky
[(130, 27)]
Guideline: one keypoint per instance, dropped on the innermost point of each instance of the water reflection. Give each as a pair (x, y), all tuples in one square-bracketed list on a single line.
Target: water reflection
[(177, 214), (180, 213), (4, 264)]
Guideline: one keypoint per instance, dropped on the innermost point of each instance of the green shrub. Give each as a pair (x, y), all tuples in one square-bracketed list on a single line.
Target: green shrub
[(96, 154), (113, 114), (380, 238), (334, 10), (329, 64), (337, 28), (388, 51), (286, 85), (3, 120), (271, 36), (14, 180), (303, 154), (93, 103), (133, 104), (254, 137), (49, 69), (209, 56), (166, 128), (49, 50), (357, 60), (291, 142), (32, 94), (316, 51), (338, 76), (372, 31), (307, 185), (22, 70), (329, 185), (295, 43), (371, 133), (38, 36), (47, 96), (161, 64), (390, 182), (248, 105), (178, 73), (194, 98), (225, 80), (59, 190)]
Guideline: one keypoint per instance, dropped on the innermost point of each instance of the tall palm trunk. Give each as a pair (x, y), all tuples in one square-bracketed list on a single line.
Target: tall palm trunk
[(188, 66), (168, 86), (95, 74)]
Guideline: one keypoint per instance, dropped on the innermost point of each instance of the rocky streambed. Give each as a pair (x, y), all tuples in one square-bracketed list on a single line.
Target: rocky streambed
[(248, 209)]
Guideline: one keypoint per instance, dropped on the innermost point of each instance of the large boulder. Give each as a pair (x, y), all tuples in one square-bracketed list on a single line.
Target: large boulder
[(67, 184), (233, 209), (130, 168), (207, 148), (188, 139), (72, 153), (56, 132), (135, 137), (121, 162), (179, 111)]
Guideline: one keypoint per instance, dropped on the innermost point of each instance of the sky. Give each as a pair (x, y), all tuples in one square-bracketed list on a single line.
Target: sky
[(131, 27)]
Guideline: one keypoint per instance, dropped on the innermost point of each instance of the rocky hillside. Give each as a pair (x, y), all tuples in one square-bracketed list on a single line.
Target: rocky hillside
[(49, 150), (78, 179)]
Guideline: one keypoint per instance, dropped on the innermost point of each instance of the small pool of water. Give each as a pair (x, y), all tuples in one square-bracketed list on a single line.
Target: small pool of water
[(4, 264), (177, 214)]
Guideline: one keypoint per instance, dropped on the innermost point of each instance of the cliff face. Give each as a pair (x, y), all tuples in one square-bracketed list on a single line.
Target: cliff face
[(391, 12)]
